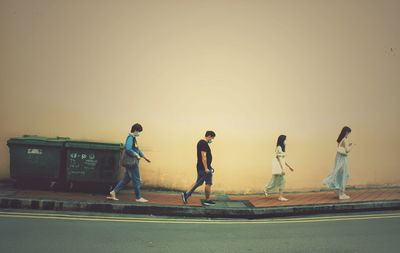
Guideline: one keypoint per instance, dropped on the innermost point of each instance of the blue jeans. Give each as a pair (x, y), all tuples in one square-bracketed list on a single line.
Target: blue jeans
[(131, 173)]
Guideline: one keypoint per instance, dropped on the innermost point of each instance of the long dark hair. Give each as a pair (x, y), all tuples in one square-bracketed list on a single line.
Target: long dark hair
[(345, 130), (281, 142)]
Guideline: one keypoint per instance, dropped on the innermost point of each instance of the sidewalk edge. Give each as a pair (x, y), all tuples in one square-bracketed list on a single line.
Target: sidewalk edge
[(189, 211)]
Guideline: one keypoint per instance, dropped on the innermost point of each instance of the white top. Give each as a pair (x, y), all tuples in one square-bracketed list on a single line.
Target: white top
[(342, 149), (279, 157)]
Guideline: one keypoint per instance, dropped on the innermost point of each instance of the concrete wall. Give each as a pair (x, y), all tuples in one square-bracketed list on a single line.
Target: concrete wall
[(249, 70)]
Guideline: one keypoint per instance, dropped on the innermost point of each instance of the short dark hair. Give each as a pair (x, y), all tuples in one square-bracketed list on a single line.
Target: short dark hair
[(136, 127), (210, 133)]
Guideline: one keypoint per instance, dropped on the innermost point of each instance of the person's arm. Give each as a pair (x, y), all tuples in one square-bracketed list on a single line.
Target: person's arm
[(129, 149), (143, 155), (204, 160), (289, 166), (347, 146)]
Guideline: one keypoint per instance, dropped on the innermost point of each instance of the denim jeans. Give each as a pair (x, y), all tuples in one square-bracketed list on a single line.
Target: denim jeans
[(131, 173)]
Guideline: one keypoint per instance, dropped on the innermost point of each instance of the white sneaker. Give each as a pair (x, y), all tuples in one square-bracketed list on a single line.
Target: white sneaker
[(282, 199), (112, 196), (142, 200), (344, 197), (266, 194)]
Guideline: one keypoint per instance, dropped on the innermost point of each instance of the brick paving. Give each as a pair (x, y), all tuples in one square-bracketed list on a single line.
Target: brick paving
[(318, 198), (163, 198), (125, 197)]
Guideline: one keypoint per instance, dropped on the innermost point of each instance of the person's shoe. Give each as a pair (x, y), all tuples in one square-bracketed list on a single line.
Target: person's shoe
[(113, 196), (266, 194), (142, 200), (282, 199), (344, 197), (184, 198), (209, 202)]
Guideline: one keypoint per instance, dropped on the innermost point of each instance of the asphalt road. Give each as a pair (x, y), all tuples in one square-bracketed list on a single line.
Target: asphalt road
[(83, 232)]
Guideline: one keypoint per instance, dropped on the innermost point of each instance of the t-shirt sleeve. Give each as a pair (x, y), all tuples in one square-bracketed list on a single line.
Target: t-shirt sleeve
[(203, 146)]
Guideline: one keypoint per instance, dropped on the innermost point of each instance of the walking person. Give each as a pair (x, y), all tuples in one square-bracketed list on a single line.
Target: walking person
[(278, 169), (134, 155), (337, 180), (204, 169)]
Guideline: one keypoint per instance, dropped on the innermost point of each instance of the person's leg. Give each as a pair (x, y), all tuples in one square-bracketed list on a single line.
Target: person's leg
[(192, 188), (207, 191), (270, 186), (280, 193), (199, 182), (281, 184), (341, 184), (125, 180), (135, 174)]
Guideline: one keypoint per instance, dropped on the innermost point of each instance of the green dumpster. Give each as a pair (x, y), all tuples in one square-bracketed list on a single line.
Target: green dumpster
[(92, 162), (34, 158)]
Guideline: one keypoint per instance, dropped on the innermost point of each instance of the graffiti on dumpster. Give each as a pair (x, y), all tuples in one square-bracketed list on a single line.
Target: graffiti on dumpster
[(34, 151), (80, 163), (34, 156)]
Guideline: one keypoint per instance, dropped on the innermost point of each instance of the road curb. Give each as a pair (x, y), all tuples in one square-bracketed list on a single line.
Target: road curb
[(190, 211)]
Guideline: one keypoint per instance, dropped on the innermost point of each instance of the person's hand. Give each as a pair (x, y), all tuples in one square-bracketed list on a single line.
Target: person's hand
[(283, 173), (138, 157), (207, 171), (291, 169), (147, 159)]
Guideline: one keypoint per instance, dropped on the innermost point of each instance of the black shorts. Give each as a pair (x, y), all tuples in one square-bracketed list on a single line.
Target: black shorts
[(202, 177)]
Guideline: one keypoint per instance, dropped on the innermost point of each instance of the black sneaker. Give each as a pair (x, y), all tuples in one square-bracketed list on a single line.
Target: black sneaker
[(209, 203), (184, 198)]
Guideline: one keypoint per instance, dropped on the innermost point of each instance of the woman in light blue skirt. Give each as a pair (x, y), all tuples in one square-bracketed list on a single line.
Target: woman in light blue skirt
[(337, 180)]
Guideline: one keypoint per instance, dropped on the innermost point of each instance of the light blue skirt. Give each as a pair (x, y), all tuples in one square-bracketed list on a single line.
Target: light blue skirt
[(277, 181), (337, 180)]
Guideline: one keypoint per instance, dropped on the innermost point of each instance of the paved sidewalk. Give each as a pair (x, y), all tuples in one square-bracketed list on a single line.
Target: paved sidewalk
[(228, 206), (319, 198)]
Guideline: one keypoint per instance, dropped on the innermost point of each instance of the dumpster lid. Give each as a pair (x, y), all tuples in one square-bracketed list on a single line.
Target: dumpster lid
[(93, 145), (38, 140)]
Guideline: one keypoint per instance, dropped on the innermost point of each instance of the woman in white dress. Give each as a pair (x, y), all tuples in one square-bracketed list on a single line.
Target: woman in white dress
[(278, 169), (337, 180)]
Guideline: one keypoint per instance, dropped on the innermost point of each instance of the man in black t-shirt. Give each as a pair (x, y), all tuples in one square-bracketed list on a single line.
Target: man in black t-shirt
[(204, 169)]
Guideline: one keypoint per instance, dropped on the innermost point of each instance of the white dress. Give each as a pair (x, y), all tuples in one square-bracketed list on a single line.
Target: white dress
[(339, 176), (277, 180)]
